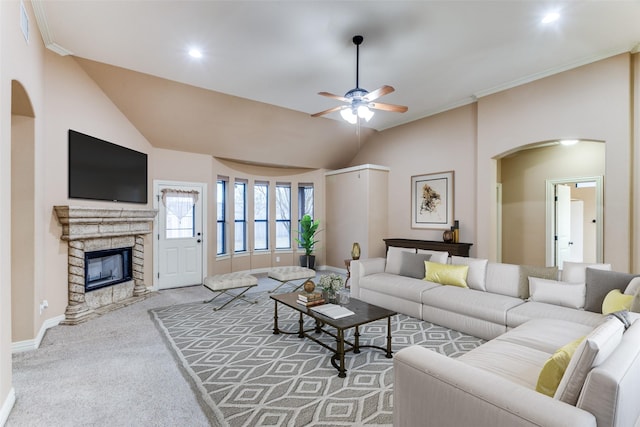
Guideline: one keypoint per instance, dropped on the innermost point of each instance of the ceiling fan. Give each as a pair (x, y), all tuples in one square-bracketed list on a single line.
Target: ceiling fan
[(360, 101)]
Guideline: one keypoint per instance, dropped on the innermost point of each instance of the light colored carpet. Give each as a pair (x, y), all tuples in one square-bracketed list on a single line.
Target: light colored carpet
[(250, 377)]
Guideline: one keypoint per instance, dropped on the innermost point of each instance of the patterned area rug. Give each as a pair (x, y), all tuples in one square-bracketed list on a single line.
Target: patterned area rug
[(248, 376)]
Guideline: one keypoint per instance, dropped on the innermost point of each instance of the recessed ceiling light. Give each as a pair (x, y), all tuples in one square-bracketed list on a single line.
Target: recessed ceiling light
[(550, 17), (569, 141), (195, 53)]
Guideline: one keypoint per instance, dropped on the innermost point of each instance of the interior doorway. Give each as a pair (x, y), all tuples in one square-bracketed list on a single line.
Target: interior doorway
[(574, 220)]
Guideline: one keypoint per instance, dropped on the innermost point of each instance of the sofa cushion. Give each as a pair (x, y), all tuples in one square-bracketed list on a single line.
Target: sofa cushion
[(394, 259), (616, 301), (502, 278), (575, 272), (570, 295), (441, 257), (540, 310), (526, 271), (555, 367), (596, 347), (546, 335), (476, 277), (445, 274), (413, 264), (600, 283), (477, 304), (517, 363), (633, 287), (398, 286)]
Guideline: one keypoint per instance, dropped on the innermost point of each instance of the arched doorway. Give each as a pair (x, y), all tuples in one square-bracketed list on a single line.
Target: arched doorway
[(523, 175), (22, 215)]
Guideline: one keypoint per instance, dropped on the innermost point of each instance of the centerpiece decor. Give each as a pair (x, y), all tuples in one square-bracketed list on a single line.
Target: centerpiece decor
[(331, 285), (306, 240)]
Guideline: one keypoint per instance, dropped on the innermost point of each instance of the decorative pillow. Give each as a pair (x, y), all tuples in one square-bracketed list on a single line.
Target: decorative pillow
[(526, 271), (574, 272), (616, 301), (600, 283), (394, 259), (454, 275), (633, 287), (476, 277), (555, 367), (436, 256), (413, 264), (595, 348), (635, 304), (559, 293)]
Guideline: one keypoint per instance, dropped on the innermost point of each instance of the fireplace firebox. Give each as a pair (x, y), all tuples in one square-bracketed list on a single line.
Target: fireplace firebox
[(107, 268)]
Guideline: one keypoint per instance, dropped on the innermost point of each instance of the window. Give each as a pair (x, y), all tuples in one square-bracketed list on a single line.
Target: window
[(179, 215), (261, 216), (222, 216), (305, 202), (240, 216), (283, 216)]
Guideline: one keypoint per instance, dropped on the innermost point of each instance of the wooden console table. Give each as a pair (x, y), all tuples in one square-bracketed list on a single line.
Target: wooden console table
[(457, 249)]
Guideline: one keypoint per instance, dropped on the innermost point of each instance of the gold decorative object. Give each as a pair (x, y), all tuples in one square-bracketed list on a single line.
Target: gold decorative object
[(355, 251), (309, 286)]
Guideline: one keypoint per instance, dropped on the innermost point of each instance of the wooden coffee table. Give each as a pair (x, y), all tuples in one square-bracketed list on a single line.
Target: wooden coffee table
[(364, 313)]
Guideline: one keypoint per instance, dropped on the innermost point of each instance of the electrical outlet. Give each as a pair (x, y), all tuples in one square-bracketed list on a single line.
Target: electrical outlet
[(44, 304), (277, 259)]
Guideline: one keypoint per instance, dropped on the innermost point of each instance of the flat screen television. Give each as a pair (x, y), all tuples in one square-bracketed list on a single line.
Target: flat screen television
[(100, 170)]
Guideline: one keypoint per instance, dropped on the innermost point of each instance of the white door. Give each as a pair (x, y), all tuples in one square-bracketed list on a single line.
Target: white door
[(563, 223), (180, 234), (576, 245)]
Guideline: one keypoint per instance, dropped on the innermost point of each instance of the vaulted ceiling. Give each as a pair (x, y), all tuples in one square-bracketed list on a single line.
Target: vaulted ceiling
[(263, 62)]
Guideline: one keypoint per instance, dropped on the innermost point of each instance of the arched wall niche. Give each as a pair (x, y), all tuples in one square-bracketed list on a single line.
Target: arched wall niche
[(522, 176), (23, 287)]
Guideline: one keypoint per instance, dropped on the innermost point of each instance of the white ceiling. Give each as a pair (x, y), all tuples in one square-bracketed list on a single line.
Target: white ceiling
[(437, 54)]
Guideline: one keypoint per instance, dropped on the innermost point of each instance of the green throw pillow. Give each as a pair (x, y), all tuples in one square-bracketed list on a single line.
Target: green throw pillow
[(616, 301), (445, 274)]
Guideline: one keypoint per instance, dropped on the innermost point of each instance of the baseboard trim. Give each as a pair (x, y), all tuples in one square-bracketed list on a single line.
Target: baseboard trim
[(7, 406), (28, 345)]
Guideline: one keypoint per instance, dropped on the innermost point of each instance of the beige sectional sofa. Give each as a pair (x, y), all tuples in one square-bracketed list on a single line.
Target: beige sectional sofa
[(495, 384)]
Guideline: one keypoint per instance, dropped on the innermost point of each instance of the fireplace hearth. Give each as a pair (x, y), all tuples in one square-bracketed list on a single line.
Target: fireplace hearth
[(105, 258)]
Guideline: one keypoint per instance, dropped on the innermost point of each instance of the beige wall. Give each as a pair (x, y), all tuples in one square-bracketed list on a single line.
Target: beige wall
[(523, 177), (440, 143), (591, 102)]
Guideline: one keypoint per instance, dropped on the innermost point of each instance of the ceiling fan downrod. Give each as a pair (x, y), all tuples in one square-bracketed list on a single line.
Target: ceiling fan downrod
[(357, 40)]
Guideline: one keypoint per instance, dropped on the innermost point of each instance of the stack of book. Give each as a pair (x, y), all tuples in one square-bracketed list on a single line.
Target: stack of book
[(310, 299)]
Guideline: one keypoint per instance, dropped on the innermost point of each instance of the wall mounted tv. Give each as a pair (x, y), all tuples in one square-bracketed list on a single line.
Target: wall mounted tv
[(100, 170)]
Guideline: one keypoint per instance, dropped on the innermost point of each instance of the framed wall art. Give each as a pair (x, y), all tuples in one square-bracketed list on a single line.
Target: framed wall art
[(432, 201)]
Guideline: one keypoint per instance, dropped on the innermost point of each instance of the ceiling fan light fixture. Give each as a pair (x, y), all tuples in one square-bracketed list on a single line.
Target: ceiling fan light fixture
[(365, 113), (349, 115)]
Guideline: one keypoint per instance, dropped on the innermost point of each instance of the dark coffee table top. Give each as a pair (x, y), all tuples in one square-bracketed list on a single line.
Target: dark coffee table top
[(364, 312)]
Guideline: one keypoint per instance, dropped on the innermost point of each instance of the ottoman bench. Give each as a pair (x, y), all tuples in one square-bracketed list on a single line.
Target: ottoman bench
[(287, 274), (221, 283)]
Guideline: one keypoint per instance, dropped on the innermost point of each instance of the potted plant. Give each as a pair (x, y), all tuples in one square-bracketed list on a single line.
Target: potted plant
[(308, 230)]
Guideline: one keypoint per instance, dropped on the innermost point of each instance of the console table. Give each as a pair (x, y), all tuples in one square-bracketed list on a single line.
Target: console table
[(457, 249)]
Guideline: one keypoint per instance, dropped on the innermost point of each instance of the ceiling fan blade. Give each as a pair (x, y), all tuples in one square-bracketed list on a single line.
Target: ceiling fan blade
[(330, 110), (388, 107), (338, 97), (378, 93)]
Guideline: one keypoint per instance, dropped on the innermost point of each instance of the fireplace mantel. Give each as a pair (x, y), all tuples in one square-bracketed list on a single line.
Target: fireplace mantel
[(94, 228), (81, 223)]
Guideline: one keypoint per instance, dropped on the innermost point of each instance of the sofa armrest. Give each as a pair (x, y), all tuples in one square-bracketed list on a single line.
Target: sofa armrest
[(361, 268), (433, 390)]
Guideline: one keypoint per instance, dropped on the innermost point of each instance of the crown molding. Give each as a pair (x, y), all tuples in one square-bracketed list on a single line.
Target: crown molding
[(45, 31)]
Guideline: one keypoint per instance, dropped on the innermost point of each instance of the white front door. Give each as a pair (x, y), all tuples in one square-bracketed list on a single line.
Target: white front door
[(180, 235), (577, 231), (563, 224)]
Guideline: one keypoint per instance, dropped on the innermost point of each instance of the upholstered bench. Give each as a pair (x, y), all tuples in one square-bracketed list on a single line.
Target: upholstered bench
[(287, 274), (221, 283)]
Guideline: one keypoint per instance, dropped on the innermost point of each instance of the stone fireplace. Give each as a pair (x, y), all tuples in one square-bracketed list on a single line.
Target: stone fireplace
[(96, 238)]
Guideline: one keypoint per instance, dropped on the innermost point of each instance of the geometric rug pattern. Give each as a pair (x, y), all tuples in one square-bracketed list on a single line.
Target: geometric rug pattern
[(247, 376)]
